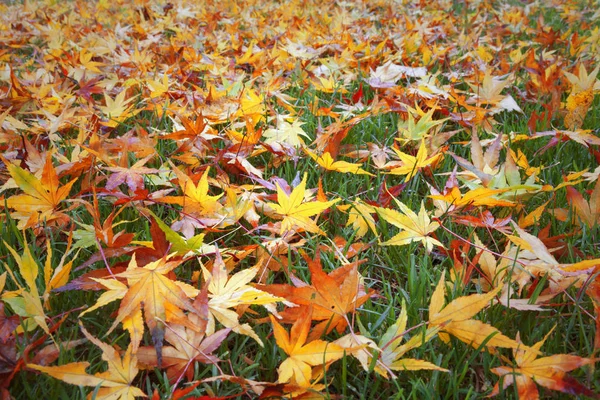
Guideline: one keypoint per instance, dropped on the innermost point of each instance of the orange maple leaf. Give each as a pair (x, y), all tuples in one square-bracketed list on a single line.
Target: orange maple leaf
[(588, 212), (332, 296)]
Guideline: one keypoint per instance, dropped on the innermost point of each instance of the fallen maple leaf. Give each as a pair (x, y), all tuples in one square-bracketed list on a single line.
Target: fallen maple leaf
[(326, 161), (181, 245), (26, 301), (296, 212), (588, 212), (583, 86), (115, 383), (488, 91), (195, 199), (583, 81), (414, 227), (385, 76), (360, 217), (484, 164), (297, 368), (577, 106), (332, 296), (226, 292), (147, 288), (391, 356), (117, 110), (187, 347), (549, 372), (286, 134), (455, 319), (411, 131), (133, 176), (41, 198), (410, 165)]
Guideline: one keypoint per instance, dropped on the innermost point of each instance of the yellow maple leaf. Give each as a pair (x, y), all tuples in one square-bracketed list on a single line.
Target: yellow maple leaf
[(116, 383), (577, 106), (252, 105), (117, 110), (456, 319), (360, 217), (583, 81), (296, 212), (286, 133), (415, 227), (453, 199), (392, 352), (412, 164), (41, 197), (158, 87), (326, 161), (297, 368), (226, 292), (195, 199), (328, 85), (85, 58)]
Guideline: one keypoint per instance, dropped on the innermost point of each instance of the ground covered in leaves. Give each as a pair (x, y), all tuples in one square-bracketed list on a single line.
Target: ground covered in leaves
[(300, 199)]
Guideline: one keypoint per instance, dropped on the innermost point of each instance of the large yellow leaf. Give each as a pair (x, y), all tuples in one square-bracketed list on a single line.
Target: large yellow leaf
[(296, 212), (415, 227), (302, 356), (118, 110), (455, 319), (196, 199), (149, 289), (413, 164), (42, 196), (326, 161), (226, 292), (286, 134), (463, 308), (115, 383)]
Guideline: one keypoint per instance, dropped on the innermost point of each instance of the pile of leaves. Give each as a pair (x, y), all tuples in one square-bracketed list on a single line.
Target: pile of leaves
[(299, 199)]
